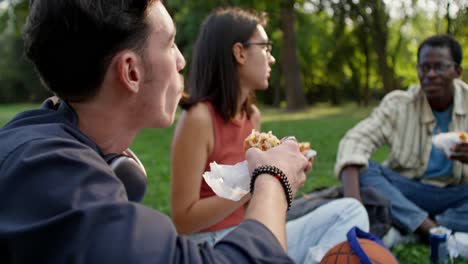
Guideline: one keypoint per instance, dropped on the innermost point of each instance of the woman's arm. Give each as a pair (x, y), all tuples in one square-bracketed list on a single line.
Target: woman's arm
[(192, 145)]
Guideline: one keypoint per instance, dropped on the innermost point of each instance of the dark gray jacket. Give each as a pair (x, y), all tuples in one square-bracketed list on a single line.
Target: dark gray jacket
[(61, 203)]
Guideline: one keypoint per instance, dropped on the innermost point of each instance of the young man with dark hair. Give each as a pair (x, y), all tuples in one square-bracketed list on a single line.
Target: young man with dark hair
[(425, 187), (115, 67)]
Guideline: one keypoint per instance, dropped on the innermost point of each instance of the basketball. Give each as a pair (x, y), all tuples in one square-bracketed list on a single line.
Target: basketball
[(342, 253)]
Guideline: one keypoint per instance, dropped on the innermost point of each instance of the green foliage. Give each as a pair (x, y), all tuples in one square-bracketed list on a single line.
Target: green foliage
[(335, 39), (18, 81), (416, 253)]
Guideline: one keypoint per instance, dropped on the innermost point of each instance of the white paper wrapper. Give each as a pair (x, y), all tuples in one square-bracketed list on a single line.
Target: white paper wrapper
[(310, 154), (232, 182), (445, 141), (229, 181), (458, 245)]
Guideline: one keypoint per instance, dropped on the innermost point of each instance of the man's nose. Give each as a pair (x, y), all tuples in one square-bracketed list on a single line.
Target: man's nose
[(432, 72)]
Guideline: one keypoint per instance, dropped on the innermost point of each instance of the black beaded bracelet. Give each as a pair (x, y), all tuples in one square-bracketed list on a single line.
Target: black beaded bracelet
[(278, 174)]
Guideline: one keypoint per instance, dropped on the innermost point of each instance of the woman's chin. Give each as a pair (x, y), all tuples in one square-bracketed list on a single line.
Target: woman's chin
[(264, 86)]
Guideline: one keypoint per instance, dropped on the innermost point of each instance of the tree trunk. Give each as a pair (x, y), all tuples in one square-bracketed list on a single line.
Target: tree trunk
[(295, 97), (366, 92), (384, 69), (380, 35), (448, 18)]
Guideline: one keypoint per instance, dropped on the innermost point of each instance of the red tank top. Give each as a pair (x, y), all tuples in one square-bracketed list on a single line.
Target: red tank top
[(228, 149)]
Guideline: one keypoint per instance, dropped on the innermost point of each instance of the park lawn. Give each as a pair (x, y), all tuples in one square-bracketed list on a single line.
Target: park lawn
[(7, 111), (322, 125)]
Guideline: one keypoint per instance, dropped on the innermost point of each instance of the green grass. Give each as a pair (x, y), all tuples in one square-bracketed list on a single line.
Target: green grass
[(322, 125), (7, 111)]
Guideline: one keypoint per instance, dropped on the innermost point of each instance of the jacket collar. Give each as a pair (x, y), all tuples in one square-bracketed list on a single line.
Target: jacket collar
[(458, 109), (68, 114), (55, 104)]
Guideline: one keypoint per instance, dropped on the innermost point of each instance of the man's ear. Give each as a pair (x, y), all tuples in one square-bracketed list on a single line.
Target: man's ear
[(130, 70), (239, 53), (459, 71)]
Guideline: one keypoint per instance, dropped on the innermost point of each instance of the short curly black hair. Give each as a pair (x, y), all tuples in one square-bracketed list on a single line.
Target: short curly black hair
[(444, 40)]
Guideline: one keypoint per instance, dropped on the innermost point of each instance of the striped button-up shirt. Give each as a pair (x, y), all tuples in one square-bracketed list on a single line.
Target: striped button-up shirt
[(404, 121)]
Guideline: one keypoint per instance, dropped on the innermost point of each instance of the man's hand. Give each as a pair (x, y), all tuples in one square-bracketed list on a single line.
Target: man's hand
[(268, 204), (350, 178), (460, 152), (285, 157)]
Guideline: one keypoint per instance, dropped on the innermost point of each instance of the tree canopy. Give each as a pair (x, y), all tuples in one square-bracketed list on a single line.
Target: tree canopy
[(326, 50)]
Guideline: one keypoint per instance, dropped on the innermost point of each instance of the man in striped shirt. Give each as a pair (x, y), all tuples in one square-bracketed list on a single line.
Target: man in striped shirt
[(426, 188)]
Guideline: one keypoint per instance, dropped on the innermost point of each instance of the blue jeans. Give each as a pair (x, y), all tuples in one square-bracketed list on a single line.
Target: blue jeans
[(309, 237), (413, 201), (210, 237)]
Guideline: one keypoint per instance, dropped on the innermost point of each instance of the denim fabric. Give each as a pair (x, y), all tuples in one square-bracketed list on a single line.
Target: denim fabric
[(402, 121), (412, 201), (210, 237), (309, 237), (312, 235)]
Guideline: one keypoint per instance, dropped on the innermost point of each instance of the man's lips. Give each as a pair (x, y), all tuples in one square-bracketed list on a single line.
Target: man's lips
[(432, 86), (432, 89)]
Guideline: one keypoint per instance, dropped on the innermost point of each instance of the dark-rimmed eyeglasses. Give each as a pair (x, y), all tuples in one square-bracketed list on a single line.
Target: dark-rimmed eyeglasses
[(439, 68), (268, 45)]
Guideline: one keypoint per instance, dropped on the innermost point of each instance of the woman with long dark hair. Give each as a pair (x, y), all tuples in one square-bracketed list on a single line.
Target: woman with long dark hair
[(231, 60)]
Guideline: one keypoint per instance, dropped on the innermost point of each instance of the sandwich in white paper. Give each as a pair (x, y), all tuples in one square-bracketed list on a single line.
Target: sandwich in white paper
[(446, 141), (232, 182)]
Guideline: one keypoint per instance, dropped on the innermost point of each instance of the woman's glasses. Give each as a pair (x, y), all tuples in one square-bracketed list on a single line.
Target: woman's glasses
[(268, 45)]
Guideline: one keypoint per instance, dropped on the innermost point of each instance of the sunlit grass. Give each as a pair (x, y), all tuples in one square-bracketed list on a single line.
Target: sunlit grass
[(318, 111)]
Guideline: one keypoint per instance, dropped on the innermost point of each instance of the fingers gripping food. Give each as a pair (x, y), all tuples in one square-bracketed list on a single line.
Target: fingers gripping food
[(233, 181), (446, 141)]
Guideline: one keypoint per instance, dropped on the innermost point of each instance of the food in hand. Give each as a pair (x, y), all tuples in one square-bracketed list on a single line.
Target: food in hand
[(463, 136), (446, 141), (265, 141), (304, 146), (260, 140)]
